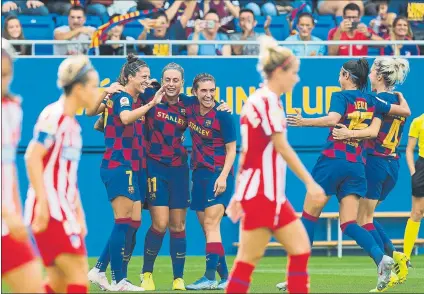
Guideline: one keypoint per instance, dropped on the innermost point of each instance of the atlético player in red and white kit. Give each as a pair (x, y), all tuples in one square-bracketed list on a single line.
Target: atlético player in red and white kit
[(18, 260), (260, 198), (53, 205)]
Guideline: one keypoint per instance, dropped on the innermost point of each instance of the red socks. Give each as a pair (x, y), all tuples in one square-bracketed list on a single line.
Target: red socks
[(72, 288), (297, 273), (239, 280), (48, 288)]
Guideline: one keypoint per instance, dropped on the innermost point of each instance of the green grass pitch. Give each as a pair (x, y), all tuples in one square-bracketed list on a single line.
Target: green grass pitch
[(351, 274)]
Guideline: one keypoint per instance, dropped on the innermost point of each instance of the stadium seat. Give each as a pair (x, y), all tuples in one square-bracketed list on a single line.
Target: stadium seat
[(323, 24), (133, 29), (38, 28), (279, 26)]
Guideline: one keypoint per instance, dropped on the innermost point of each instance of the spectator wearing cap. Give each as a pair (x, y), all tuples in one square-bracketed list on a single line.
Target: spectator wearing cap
[(351, 29), (247, 24), (227, 11), (161, 29), (75, 30), (207, 30), (28, 7), (401, 32), (305, 24), (12, 30)]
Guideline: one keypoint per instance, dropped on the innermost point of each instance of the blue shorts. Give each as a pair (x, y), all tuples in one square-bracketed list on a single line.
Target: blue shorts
[(167, 185), (202, 194), (340, 177), (122, 181), (382, 174)]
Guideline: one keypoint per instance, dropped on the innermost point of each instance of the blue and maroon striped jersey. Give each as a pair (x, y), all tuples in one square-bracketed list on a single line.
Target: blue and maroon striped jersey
[(165, 126), (124, 143), (209, 134), (388, 138), (357, 110)]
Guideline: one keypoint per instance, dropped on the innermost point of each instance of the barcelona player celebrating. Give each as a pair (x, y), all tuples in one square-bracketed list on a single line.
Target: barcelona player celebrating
[(382, 166), (416, 135), (340, 170), (18, 259), (260, 198), (53, 204), (214, 151)]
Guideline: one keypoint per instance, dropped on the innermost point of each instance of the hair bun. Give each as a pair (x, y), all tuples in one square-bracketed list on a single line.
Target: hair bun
[(131, 58)]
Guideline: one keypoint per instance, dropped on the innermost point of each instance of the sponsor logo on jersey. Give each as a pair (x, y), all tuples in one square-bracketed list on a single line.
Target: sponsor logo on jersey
[(124, 101)]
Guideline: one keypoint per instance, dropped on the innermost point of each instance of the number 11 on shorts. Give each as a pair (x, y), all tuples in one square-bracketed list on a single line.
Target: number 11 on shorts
[(152, 184)]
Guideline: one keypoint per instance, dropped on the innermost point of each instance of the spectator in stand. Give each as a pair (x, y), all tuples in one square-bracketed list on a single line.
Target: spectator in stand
[(150, 4), (23, 7), (262, 7), (305, 24), (382, 24), (99, 8), (12, 30), (351, 29), (115, 34), (74, 31), (197, 14), (337, 7), (207, 30), (164, 30), (227, 11), (401, 32), (247, 24)]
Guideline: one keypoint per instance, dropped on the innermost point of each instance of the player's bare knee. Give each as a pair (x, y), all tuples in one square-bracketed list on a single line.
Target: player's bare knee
[(177, 227), (160, 225), (417, 214)]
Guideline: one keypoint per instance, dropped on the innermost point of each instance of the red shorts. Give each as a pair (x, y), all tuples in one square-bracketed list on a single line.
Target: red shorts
[(14, 253), (265, 215), (54, 241)]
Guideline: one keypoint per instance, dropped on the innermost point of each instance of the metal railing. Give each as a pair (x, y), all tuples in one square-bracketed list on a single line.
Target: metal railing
[(172, 43)]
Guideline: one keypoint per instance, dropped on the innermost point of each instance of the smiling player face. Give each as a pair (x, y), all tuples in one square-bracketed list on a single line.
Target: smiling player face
[(173, 79), (206, 94)]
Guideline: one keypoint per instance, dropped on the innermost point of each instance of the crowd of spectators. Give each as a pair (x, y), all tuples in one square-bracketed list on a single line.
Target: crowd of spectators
[(220, 20)]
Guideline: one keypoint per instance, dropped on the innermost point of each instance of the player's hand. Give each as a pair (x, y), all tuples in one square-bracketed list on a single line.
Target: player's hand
[(34, 4), (159, 95), (16, 226), (399, 95), (362, 28), (234, 210), (296, 120), (315, 192), (41, 217), (115, 88), (224, 107), (220, 185), (345, 25), (99, 125), (341, 132), (9, 6)]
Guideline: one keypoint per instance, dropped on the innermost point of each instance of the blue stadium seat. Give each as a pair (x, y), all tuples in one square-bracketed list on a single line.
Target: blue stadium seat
[(92, 21), (323, 24), (38, 28), (372, 51), (279, 26), (133, 29)]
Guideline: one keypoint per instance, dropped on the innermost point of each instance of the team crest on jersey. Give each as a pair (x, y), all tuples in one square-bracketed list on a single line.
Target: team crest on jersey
[(75, 241), (208, 123), (109, 103), (131, 189), (124, 101)]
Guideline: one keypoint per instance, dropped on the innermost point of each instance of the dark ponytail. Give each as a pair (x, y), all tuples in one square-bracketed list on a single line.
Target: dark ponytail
[(358, 70), (131, 67)]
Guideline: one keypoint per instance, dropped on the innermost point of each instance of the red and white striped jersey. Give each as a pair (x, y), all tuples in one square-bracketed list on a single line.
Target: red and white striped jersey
[(11, 122), (61, 136), (263, 171)]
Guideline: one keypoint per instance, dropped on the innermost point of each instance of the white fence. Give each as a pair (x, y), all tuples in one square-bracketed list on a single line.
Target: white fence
[(171, 43)]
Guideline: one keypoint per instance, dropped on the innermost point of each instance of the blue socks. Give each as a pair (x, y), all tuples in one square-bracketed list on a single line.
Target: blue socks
[(152, 245), (131, 240), (364, 239), (117, 247), (178, 246), (214, 252), (104, 259), (309, 222), (388, 245), (374, 233), (222, 267)]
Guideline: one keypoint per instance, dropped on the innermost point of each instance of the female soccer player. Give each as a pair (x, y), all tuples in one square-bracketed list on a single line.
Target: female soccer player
[(382, 166), (213, 135), (18, 260), (260, 198), (416, 134), (123, 171), (340, 170), (53, 204)]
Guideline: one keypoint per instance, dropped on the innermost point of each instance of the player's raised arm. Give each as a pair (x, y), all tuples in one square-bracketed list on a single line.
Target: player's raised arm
[(100, 104)]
